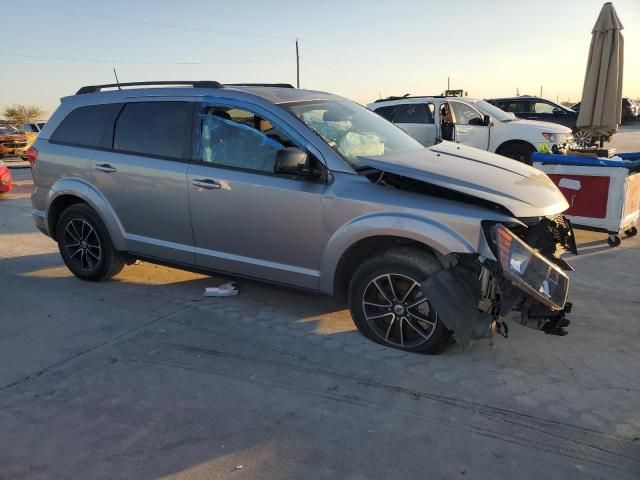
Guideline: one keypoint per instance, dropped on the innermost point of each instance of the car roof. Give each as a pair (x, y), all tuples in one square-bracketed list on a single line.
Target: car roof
[(523, 97), (420, 99), (273, 94)]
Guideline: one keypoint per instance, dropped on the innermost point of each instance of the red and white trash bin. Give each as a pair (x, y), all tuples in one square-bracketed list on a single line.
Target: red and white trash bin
[(603, 193)]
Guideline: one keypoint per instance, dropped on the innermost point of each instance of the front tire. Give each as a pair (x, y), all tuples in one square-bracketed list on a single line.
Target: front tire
[(583, 139), (388, 306), (520, 152), (85, 245)]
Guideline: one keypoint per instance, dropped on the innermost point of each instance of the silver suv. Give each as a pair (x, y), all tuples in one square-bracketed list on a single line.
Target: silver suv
[(305, 189)]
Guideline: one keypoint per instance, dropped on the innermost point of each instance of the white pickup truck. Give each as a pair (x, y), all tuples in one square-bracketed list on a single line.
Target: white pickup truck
[(471, 122)]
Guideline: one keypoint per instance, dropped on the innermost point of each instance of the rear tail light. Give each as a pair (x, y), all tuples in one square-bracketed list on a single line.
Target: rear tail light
[(32, 156)]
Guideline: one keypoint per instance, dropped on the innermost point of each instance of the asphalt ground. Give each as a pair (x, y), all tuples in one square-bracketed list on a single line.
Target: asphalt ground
[(142, 377)]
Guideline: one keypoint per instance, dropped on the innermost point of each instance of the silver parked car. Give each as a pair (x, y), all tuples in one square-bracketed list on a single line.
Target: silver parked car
[(305, 189)]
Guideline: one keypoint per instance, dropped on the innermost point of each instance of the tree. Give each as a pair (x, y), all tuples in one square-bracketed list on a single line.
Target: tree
[(19, 114)]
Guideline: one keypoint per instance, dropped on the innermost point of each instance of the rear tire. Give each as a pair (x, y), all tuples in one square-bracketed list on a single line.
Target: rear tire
[(520, 152), (388, 306), (85, 245)]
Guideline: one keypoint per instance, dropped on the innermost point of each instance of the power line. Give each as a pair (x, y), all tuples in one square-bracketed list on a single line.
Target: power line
[(341, 53), (325, 78), (206, 30), (156, 24), (142, 62), (344, 72)]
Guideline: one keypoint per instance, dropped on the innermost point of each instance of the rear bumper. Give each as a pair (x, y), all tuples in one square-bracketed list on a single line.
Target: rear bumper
[(40, 220), (39, 201), (9, 150)]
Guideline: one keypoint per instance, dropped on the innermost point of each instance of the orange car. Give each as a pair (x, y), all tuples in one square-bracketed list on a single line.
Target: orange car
[(12, 143)]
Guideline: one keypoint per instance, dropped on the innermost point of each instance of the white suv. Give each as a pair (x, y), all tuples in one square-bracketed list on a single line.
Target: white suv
[(472, 122), (32, 127)]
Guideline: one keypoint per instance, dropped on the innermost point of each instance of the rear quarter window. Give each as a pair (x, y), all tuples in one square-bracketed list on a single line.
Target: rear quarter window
[(386, 112), (90, 126)]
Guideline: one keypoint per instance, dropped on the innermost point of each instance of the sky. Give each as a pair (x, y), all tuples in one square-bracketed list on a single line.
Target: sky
[(358, 49)]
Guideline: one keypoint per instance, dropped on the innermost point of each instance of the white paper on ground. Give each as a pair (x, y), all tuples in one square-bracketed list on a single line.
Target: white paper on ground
[(224, 290)]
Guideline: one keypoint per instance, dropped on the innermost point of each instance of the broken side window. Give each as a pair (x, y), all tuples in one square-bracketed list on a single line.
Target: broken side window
[(238, 138)]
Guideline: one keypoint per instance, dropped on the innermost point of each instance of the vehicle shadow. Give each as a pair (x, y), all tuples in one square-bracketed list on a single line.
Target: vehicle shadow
[(594, 246), (157, 290)]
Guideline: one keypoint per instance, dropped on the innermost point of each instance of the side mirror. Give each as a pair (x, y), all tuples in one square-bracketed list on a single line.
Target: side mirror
[(293, 161), (558, 111), (486, 120)]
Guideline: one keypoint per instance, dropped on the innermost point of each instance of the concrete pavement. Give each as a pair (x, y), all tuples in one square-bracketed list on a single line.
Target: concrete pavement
[(142, 377)]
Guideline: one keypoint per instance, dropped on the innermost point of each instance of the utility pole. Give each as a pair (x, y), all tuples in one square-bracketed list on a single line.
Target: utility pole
[(540, 91), (448, 83), (517, 91), (297, 65)]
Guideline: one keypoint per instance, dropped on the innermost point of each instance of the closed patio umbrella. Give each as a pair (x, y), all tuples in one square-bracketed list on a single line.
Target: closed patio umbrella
[(601, 106)]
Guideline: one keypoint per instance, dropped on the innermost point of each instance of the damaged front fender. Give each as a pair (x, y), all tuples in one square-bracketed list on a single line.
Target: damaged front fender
[(473, 293)]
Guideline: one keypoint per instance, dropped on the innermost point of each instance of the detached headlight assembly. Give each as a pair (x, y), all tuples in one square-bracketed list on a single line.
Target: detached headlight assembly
[(529, 270)]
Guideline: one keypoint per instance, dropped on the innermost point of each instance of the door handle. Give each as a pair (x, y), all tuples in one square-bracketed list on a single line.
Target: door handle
[(532, 118), (207, 183), (105, 167)]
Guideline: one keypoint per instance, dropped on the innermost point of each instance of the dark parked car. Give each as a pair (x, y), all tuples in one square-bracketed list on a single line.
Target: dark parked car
[(630, 110), (536, 108)]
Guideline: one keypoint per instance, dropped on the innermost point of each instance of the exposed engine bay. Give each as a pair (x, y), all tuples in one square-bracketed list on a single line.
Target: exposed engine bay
[(473, 294)]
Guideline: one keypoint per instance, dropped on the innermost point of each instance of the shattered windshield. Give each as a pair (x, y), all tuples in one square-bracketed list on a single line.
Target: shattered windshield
[(352, 130)]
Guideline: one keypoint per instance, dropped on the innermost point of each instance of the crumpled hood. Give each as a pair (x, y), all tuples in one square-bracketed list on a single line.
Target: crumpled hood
[(523, 190)]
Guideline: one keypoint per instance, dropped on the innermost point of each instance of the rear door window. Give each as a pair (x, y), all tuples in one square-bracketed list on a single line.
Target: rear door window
[(412, 113), (90, 126), (386, 112), (160, 129), (513, 107)]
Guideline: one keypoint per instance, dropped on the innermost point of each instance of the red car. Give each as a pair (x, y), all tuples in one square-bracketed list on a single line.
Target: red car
[(5, 178)]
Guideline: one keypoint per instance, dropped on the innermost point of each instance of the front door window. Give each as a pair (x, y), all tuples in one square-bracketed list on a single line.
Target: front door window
[(231, 137), (542, 107), (463, 114)]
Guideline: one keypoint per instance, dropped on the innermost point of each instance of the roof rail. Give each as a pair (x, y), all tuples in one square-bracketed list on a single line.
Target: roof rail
[(276, 85), (195, 84), (403, 97)]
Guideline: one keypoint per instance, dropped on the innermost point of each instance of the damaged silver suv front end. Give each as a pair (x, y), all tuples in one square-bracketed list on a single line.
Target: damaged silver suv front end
[(523, 271)]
